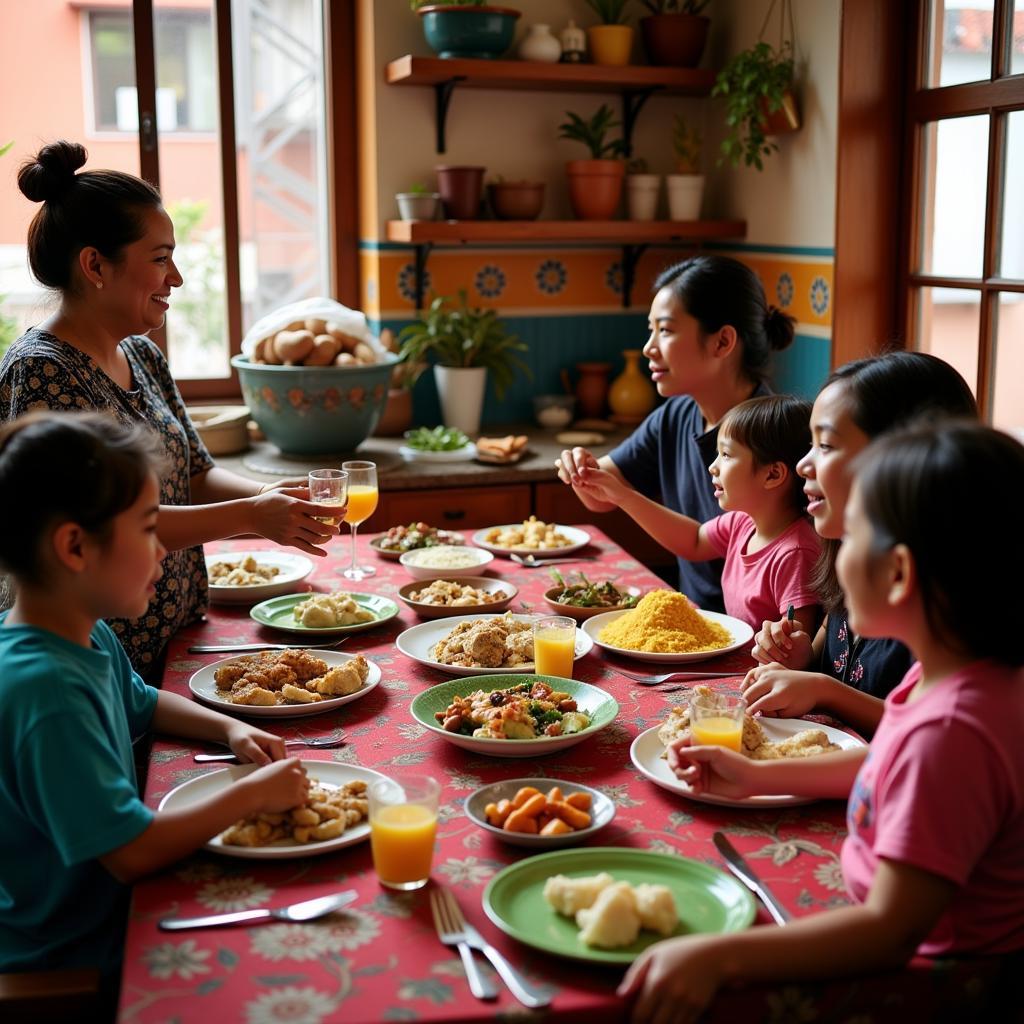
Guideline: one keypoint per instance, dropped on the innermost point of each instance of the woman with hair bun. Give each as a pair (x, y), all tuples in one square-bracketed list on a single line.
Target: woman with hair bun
[(712, 334), (104, 244)]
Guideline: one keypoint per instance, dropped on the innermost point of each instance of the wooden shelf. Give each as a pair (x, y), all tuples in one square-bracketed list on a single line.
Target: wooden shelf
[(620, 232), (524, 74)]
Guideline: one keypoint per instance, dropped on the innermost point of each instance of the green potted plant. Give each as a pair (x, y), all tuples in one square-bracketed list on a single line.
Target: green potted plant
[(675, 32), (595, 185), (457, 29), (642, 190), (610, 41), (464, 343), (757, 85), (419, 203), (686, 186)]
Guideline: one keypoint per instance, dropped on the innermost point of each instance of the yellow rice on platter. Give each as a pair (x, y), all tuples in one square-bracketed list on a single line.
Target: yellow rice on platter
[(665, 622)]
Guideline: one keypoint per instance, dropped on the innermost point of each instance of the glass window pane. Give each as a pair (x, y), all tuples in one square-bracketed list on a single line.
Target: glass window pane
[(1017, 39), (1011, 262), (953, 203), (960, 42), (949, 321), (44, 114), (1008, 363)]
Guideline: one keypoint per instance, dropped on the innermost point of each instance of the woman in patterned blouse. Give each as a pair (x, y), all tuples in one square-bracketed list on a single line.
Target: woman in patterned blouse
[(103, 242)]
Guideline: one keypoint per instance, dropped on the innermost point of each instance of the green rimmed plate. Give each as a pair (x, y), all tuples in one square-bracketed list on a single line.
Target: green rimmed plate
[(592, 700), (708, 900), (277, 613)]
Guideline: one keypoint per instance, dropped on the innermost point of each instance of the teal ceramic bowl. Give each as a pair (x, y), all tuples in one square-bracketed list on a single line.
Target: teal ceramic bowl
[(315, 410), (468, 32)]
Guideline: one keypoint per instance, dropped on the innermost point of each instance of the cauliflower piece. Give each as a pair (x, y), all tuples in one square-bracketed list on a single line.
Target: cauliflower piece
[(656, 907), (253, 696), (612, 921), (297, 695), (342, 680), (569, 895)]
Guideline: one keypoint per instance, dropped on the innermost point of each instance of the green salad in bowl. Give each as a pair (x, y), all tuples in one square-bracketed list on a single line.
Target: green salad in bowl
[(436, 439)]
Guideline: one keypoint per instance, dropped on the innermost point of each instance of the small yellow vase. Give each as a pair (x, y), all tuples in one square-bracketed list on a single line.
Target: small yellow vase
[(632, 396), (610, 44)]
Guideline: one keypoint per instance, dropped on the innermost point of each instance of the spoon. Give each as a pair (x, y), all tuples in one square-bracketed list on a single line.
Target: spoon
[(323, 743), (529, 562)]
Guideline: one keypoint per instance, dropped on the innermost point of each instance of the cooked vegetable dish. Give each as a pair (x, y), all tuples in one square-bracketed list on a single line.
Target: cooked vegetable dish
[(527, 711), (586, 594), (417, 535)]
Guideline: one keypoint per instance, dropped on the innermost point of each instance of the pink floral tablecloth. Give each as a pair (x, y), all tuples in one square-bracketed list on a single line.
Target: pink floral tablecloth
[(381, 960)]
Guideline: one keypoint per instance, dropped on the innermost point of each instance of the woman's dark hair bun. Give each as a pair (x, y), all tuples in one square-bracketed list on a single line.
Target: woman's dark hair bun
[(779, 328), (51, 172)]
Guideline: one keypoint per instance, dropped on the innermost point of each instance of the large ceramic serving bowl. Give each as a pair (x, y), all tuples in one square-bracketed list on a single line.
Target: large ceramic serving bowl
[(315, 410)]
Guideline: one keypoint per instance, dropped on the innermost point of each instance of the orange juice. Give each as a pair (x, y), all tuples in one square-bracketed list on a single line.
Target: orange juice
[(362, 500), (402, 842), (717, 731), (553, 652)]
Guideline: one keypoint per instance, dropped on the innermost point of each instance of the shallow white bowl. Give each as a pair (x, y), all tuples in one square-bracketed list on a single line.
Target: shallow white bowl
[(294, 568), (421, 572)]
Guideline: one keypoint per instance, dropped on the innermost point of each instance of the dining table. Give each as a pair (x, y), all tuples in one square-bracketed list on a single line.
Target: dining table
[(379, 959)]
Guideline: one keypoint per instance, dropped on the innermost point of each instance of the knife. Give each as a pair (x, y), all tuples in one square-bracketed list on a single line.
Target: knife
[(296, 913), (741, 869), (209, 648), (517, 984)]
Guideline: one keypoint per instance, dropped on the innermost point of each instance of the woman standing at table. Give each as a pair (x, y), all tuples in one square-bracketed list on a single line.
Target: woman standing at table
[(103, 242), (711, 337)]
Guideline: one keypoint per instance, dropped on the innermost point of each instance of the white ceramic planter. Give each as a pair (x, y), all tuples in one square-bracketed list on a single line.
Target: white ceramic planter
[(540, 45), (461, 390), (642, 191), (685, 194), (418, 205)]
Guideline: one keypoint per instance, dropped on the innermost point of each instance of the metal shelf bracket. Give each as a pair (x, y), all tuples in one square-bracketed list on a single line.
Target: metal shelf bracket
[(442, 97), (630, 258), (420, 257), (632, 101)]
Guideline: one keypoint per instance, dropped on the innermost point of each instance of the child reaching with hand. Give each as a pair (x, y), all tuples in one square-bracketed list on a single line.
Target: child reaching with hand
[(78, 535), (765, 537), (936, 804)]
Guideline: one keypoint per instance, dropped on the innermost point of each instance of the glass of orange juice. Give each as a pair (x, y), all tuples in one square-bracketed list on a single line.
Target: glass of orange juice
[(554, 645), (403, 824), (717, 721), (362, 501), (329, 487)]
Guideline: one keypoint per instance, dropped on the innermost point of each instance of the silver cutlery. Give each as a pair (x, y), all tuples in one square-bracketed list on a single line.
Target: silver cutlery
[(529, 562), (526, 993), (742, 870), (209, 648), (671, 677), (449, 932), (296, 913), (323, 743)]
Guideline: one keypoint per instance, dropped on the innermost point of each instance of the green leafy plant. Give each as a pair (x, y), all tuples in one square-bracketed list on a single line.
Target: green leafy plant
[(199, 303), (611, 12), (438, 439), (675, 6), (753, 83), (686, 144), (419, 189), (592, 133), (459, 335)]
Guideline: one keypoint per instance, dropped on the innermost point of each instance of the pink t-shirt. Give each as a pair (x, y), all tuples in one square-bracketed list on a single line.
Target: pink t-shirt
[(942, 790), (763, 585)]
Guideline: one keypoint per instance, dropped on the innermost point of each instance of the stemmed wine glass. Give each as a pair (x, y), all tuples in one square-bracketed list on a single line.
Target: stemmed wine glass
[(362, 500), (329, 487)]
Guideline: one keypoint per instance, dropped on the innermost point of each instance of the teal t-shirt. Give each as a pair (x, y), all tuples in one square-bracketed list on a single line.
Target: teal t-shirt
[(68, 795)]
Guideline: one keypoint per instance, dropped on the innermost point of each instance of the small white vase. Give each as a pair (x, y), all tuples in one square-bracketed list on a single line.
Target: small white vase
[(642, 192), (461, 390), (685, 194), (540, 45)]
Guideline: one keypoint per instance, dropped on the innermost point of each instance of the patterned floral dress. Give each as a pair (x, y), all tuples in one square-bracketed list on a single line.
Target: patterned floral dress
[(40, 371)]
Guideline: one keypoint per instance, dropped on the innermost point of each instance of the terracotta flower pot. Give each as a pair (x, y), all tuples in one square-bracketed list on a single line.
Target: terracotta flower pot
[(516, 200), (595, 187), (461, 189), (610, 44), (785, 119), (396, 418), (674, 40)]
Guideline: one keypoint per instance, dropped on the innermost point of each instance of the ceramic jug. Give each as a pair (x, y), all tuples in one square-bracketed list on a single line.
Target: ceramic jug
[(631, 396), (592, 389), (540, 45)]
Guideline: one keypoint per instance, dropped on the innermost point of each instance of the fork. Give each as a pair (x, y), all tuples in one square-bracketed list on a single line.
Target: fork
[(452, 933), (517, 984), (671, 677), (208, 648), (321, 743), (529, 562)]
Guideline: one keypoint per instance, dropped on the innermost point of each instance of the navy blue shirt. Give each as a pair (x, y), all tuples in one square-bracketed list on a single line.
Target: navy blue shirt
[(873, 665)]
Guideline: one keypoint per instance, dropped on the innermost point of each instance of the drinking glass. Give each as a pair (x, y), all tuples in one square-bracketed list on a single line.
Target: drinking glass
[(403, 824), (717, 721), (329, 487), (554, 645), (362, 500)]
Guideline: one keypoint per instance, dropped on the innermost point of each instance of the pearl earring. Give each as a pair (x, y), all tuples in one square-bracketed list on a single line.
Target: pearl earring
[(99, 284)]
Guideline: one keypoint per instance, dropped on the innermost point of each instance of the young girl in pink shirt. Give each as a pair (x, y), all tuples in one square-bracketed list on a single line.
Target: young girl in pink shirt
[(765, 536), (934, 858)]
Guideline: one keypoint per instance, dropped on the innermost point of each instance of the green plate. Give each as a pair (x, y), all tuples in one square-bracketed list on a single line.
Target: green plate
[(592, 700), (708, 900), (277, 613)]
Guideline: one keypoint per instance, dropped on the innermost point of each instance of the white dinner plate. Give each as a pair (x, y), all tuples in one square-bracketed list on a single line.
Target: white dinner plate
[(464, 454), (293, 569), (204, 689), (579, 539), (646, 752), (416, 642), (741, 632), (328, 772)]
